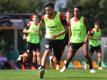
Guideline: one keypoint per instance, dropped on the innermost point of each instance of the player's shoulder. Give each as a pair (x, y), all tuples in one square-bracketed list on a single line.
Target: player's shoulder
[(62, 15), (72, 19), (93, 30)]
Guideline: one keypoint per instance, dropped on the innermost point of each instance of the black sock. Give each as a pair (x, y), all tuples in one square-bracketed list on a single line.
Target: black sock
[(99, 64), (89, 61), (38, 65), (42, 67)]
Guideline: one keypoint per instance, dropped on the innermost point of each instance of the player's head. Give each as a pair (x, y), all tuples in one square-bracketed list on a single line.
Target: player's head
[(77, 10), (35, 18), (68, 13), (49, 8), (96, 24)]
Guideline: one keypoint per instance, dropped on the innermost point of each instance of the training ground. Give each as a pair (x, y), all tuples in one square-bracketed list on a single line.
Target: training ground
[(52, 74)]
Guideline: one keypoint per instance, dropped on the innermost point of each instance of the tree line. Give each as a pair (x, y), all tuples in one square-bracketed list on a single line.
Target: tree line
[(92, 9)]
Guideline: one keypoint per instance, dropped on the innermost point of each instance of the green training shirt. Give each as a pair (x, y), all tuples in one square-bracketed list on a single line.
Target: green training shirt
[(53, 26), (95, 38), (33, 37), (78, 30)]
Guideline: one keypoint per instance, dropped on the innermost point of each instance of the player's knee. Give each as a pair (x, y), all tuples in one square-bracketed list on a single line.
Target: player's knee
[(25, 55), (99, 55), (34, 54), (38, 55)]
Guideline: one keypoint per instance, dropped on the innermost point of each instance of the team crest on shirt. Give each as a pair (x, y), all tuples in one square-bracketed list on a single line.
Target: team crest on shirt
[(47, 46)]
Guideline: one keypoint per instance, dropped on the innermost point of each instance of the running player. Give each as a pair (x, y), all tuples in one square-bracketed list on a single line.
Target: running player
[(55, 23), (78, 27), (33, 41), (95, 43)]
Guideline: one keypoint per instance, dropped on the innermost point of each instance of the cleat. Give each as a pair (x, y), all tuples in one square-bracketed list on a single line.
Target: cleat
[(42, 72), (63, 69), (92, 71), (39, 68)]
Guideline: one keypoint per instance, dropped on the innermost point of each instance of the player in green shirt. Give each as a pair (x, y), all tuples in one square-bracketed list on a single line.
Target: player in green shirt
[(95, 43), (55, 24), (78, 27), (33, 41)]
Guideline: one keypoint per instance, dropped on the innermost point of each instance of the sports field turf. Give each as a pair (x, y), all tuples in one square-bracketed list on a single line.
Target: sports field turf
[(51, 74)]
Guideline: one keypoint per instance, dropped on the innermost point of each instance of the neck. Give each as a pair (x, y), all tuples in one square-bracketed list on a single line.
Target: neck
[(36, 23), (76, 18), (52, 15), (97, 29)]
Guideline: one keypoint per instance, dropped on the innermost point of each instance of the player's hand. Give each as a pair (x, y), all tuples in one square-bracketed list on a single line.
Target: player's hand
[(54, 37), (25, 31)]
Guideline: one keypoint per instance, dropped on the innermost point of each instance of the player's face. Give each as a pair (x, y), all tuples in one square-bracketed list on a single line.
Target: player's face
[(96, 26), (49, 11), (68, 14), (35, 18), (76, 12)]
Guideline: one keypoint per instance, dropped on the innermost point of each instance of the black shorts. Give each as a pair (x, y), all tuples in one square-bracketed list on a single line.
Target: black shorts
[(57, 46), (24, 48), (76, 46), (93, 48), (33, 47)]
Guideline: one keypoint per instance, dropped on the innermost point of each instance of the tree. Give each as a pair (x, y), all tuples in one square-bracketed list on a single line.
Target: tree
[(95, 9)]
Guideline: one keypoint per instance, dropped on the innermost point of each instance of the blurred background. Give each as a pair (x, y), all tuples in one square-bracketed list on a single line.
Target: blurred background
[(14, 15)]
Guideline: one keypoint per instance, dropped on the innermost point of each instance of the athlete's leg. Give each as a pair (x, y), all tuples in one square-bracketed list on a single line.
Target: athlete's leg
[(45, 56), (43, 62), (34, 57), (24, 58), (85, 51), (70, 55), (58, 52), (99, 57), (38, 58), (91, 52)]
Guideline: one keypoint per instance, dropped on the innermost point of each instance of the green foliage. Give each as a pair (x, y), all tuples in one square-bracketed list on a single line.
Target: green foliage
[(92, 9), (19, 6)]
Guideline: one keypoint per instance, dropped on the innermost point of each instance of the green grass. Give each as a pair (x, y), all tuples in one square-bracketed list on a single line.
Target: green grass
[(51, 74)]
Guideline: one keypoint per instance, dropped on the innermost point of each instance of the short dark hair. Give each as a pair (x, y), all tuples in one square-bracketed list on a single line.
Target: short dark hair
[(50, 4), (96, 21), (79, 7)]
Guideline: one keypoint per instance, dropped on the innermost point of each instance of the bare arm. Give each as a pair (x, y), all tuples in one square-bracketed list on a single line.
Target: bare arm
[(88, 30)]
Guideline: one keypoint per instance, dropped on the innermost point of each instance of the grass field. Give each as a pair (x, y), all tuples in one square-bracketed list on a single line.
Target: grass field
[(51, 74)]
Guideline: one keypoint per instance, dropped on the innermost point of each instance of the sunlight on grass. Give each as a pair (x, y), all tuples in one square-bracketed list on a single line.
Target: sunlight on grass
[(51, 74)]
